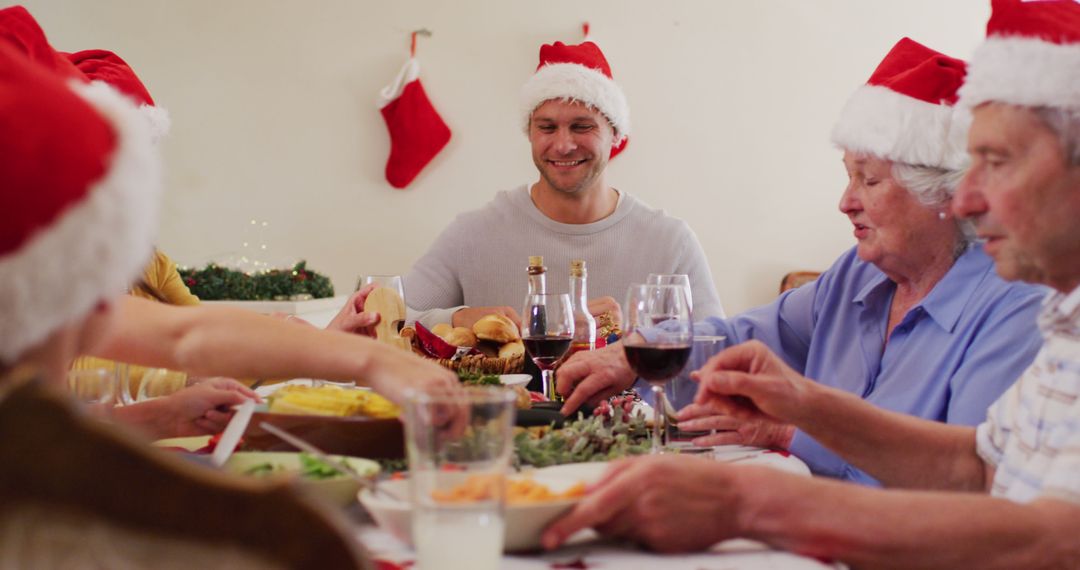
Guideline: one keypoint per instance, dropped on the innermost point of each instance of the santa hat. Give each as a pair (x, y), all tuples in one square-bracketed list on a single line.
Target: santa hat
[(20, 30), (107, 67), (580, 73), (1031, 56), (80, 191), (905, 112)]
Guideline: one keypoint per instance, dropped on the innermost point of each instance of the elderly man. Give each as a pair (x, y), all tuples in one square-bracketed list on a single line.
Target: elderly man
[(575, 115), (1023, 194)]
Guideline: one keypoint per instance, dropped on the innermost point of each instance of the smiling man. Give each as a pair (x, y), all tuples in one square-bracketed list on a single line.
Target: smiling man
[(576, 118)]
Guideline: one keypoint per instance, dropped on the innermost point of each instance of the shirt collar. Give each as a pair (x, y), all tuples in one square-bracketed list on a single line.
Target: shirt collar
[(945, 302), (1061, 313)]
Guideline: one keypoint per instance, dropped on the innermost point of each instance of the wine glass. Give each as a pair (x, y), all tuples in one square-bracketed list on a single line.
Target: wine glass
[(547, 327), (680, 279), (95, 389), (658, 340), (394, 283)]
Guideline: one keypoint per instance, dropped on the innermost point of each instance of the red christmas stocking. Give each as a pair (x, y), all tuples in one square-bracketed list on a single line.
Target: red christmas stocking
[(417, 132)]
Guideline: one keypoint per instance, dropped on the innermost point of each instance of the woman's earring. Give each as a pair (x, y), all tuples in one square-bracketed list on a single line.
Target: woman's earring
[(941, 215)]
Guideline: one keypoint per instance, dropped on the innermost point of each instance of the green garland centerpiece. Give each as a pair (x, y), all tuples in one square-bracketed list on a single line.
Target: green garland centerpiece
[(217, 283)]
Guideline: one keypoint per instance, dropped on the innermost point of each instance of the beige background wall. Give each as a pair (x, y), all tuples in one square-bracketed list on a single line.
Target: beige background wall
[(274, 116)]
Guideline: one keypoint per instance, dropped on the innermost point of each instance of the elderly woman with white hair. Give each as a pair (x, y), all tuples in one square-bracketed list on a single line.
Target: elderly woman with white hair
[(913, 318)]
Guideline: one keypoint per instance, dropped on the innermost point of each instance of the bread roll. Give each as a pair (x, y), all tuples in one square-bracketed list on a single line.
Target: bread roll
[(512, 349), (461, 336), (497, 328), (441, 330)]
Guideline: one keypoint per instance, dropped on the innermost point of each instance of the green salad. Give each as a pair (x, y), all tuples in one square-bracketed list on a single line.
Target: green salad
[(478, 379), (311, 467)]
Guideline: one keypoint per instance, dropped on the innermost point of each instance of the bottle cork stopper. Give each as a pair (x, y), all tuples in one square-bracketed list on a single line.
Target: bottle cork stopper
[(536, 260)]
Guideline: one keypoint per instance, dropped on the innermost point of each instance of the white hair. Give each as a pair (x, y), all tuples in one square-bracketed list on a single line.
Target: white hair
[(934, 187), (1065, 122)]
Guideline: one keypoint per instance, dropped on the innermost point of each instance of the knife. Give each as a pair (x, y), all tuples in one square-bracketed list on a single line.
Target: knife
[(231, 436)]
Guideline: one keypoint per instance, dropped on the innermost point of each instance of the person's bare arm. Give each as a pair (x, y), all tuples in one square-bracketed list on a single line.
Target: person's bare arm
[(224, 341)]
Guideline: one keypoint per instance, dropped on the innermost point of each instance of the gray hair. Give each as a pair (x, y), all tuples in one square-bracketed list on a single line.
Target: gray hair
[(933, 187), (1066, 125)]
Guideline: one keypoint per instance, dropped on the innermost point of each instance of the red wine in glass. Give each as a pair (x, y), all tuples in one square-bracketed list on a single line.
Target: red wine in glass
[(657, 363), (546, 351)]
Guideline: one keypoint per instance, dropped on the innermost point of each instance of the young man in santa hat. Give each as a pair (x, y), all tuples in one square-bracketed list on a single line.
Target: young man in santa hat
[(1003, 495), (576, 117)]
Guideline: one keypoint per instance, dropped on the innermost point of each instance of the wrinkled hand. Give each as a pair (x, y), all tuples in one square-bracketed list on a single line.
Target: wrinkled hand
[(352, 318), (749, 383), (669, 503), (469, 315), (593, 375), (731, 431), (202, 409)]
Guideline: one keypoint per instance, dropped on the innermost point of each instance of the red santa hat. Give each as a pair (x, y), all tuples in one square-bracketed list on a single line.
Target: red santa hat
[(80, 189), (579, 73), (1031, 56), (107, 67), (905, 112), (20, 30)]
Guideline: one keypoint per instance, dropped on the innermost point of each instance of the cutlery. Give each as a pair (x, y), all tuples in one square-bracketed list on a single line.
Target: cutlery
[(231, 436), (343, 467)]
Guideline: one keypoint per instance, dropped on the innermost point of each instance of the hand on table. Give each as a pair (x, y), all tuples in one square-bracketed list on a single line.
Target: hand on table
[(352, 318), (593, 375), (731, 431), (469, 315), (669, 503), (747, 382)]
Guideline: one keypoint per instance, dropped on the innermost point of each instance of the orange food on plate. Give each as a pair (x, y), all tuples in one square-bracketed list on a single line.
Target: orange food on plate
[(518, 491)]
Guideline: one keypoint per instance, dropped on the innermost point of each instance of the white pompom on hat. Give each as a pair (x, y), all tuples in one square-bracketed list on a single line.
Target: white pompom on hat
[(905, 112), (579, 73), (81, 185), (1031, 56)]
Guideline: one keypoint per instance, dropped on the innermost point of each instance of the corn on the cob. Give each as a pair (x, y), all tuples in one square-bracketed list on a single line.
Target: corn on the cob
[(331, 401)]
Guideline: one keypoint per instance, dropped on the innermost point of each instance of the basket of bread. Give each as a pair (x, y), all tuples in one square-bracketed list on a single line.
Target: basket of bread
[(492, 346)]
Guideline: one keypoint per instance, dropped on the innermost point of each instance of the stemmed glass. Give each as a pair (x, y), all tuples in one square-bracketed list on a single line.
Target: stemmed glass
[(396, 284), (547, 327), (95, 389), (681, 279), (658, 340)]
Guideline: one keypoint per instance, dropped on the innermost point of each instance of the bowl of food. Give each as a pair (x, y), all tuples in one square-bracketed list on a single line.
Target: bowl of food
[(342, 420), (316, 477), (535, 499)]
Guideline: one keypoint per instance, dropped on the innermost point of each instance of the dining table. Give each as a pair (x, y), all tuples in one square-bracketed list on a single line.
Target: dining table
[(587, 550)]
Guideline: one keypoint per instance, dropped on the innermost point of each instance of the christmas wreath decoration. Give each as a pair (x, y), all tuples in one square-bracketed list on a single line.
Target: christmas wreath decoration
[(217, 283)]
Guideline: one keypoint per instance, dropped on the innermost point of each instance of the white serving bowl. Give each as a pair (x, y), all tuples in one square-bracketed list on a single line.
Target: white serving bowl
[(524, 523), (337, 490)]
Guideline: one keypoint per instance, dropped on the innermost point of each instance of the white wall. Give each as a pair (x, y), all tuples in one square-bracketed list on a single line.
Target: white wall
[(274, 116)]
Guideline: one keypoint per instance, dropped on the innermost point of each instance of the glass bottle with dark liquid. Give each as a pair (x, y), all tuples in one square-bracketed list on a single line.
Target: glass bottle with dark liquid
[(584, 323)]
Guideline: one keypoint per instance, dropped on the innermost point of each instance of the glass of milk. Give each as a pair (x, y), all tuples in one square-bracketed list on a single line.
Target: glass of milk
[(459, 444)]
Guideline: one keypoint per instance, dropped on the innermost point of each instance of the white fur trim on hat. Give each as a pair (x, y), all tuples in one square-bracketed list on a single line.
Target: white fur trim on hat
[(578, 83), (158, 119), (882, 122), (1023, 71), (95, 249)]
